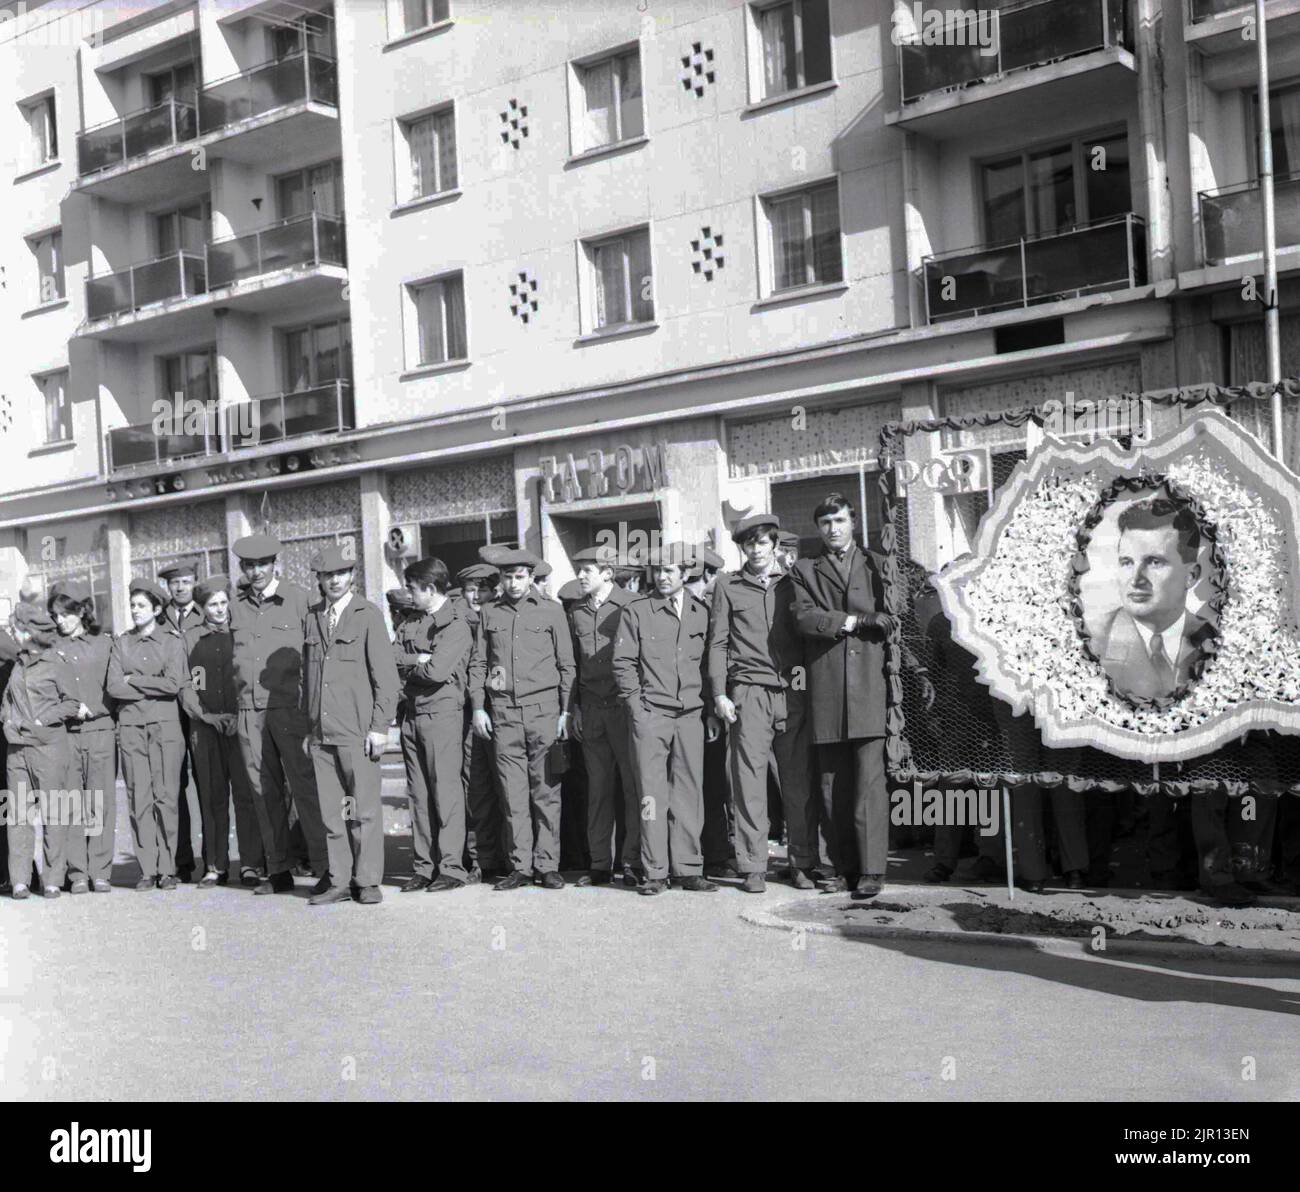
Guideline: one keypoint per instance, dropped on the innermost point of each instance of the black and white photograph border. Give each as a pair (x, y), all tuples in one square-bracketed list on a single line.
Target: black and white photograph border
[(448, 640)]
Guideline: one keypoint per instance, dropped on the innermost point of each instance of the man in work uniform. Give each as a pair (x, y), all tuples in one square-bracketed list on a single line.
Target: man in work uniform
[(520, 678), (432, 655), (266, 620), (349, 696), (754, 647), (659, 670), (484, 854), (182, 615), (600, 717), (839, 608)]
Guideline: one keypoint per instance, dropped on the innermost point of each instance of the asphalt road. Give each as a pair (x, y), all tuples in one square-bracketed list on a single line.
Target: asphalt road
[(595, 993)]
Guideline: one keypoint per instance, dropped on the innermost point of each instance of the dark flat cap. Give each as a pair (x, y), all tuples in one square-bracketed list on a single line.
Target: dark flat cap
[(671, 554), (477, 573), (753, 521), (604, 556), (73, 589), (257, 546), (332, 558), (571, 591), (180, 567), (151, 590), (704, 557), (204, 590), (514, 558), (34, 618), (542, 570), (399, 598), (788, 538), (493, 552)]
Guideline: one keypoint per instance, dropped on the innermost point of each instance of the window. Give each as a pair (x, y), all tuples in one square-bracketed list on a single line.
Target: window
[(805, 227), (318, 188), (42, 131), (795, 42), (610, 97), (312, 32), (186, 229), (431, 141), (1057, 188), (420, 14), (58, 412), (621, 279), (440, 320), (190, 377), (1284, 121), (318, 355), (177, 82), (48, 252)]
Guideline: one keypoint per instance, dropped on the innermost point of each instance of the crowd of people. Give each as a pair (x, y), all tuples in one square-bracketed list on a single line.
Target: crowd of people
[(657, 721)]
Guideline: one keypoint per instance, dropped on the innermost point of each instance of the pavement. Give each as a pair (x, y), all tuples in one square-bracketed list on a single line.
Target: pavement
[(598, 994)]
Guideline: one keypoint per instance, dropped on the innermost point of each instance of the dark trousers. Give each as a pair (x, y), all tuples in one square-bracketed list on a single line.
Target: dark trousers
[(1030, 839), (855, 805), (668, 751), (718, 839), (271, 744), (607, 752), (571, 768), (433, 752), (184, 838), (220, 775), (94, 770), (530, 790), (483, 839), (35, 774), (1202, 819), (351, 813)]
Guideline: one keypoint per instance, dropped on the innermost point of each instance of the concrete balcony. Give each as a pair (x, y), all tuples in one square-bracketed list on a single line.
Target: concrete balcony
[(1215, 26), (320, 410), (298, 261), (283, 113), (1070, 51), (1107, 255), (140, 448), (1232, 219)]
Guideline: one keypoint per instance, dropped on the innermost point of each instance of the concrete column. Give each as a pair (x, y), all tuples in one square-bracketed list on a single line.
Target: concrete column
[(374, 532), (238, 525), (1151, 122), (928, 529), (119, 570)]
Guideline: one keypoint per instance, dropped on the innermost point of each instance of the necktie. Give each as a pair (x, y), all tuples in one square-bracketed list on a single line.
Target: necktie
[(1160, 664), (332, 621)]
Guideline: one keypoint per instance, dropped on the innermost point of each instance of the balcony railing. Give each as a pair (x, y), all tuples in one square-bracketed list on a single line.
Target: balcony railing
[(322, 409), (311, 239), (1202, 10), (106, 145), (181, 275), (304, 76), (142, 446), (995, 41), (1107, 255), (1232, 219)]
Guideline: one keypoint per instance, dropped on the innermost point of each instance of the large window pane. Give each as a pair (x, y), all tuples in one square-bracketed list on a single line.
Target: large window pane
[(598, 88), (1107, 188), (1051, 189), (631, 116), (1004, 201), (639, 280), (828, 265), (780, 66), (816, 31), (789, 246)]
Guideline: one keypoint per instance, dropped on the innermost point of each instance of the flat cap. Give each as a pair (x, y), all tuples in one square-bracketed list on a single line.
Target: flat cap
[(399, 599), (513, 558), (492, 553), (151, 590), (671, 554), (542, 570), (257, 546), (753, 521), (704, 557), (332, 558), (788, 538), (73, 589), (571, 591), (477, 573), (35, 619), (180, 567), (206, 589), (603, 556)]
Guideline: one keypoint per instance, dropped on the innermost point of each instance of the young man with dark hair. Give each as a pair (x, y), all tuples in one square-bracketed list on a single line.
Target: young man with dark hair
[(182, 614), (840, 610), (432, 655), (754, 647)]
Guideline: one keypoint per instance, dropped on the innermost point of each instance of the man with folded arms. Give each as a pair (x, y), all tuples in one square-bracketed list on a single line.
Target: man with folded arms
[(349, 695), (754, 646), (659, 661)]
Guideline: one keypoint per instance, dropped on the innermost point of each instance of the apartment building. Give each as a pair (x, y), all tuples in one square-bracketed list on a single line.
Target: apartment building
[(417, 274)]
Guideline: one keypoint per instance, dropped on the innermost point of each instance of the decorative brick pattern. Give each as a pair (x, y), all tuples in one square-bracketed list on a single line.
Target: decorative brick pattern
[(514, 123), (697, 69), (6, 414), (452, 492), (708, 253), (523, 295), (776, 445)]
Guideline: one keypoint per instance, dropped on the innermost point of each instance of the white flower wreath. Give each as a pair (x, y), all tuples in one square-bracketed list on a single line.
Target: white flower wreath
[(1020, 599)]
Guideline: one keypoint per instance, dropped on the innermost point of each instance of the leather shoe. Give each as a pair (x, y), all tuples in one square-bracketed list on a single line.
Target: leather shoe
[(654, 885), (370, 895), (248, 876), (145, 883), (869, 885), (800, 879), (167, 883), (20, 892), (439, 884), (596, 877), (81, 886), (986, 870), (52, 892), (835, 885), (1232, 895), (330, 894), (1032, 887), (698, 884), (633, 879), (277, 883), (1074, 879), (754, 883), (100, 886), (726, 872), (551, 881), (511, 881), (322, 885), (473, 876), (418, 882), (939, 873)]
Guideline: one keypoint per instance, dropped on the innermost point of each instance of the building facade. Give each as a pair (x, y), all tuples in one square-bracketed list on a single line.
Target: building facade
[(415, 275)]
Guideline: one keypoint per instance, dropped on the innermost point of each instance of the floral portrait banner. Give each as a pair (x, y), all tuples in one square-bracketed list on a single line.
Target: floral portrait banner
[(1125, 614)]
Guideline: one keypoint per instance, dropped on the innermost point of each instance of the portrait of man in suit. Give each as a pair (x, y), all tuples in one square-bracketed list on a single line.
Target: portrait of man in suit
[(1149, 645)]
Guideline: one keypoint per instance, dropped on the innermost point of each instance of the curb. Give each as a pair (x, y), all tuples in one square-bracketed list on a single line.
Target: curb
[(1053, 945)]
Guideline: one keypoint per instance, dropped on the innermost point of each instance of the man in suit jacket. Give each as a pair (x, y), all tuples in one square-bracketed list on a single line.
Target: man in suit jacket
[(839, 608)]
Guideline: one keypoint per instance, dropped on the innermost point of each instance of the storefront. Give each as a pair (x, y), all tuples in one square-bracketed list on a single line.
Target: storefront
[(162, 536)]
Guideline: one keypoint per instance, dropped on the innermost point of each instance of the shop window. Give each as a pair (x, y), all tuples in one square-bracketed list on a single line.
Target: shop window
[(609, 106), (456, 543)]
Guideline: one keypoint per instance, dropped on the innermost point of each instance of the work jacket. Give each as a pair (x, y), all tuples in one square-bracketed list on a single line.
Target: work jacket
[(155, 665), (211, 690), (659, 660), (350, 682), (523, 652), (38, 699), (753, 635), (268, 646), (438, 685), (594, 634), (86, 658)]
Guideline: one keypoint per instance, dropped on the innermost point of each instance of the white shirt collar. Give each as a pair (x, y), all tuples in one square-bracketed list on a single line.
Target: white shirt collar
[(339, 606), (1172, 637), (270, 588)]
